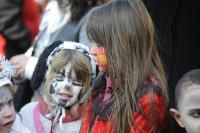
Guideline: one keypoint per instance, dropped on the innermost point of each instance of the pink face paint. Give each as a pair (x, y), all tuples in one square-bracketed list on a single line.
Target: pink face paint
[(101, 56)]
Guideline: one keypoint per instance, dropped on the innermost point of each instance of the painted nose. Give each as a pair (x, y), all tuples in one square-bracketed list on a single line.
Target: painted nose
[(67, 87)]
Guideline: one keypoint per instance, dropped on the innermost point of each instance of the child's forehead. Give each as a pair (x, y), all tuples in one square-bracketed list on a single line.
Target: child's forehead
[(5, 94), (191, 92), (191, 88), (190, 99)]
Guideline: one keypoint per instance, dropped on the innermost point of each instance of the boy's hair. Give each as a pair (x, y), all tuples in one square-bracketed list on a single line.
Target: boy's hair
[(190, 78)]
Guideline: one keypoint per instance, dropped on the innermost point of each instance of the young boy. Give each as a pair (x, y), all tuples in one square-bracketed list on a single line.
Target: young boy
[(187, 98)]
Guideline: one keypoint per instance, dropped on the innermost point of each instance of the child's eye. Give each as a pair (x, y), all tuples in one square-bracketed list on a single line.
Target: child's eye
[(59, 78), (195, 114), (77, 83), (10, 103)]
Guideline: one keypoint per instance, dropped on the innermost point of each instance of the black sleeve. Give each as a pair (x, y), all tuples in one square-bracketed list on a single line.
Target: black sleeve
[(12, 27)]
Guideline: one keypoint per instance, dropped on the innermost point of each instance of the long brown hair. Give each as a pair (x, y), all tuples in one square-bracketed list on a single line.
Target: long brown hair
[(125, 29)]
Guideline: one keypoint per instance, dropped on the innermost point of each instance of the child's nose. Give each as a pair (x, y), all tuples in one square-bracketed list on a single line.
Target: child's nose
[(93, 51), (67, 87)]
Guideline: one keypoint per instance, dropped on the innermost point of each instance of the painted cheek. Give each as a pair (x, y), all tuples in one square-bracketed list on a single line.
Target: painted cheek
[(80, 94), (52, 90), (77, 94), (101, 56), (54, 87), (77, 89)]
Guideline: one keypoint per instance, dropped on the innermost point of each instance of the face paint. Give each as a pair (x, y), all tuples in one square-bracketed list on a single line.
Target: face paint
[(7, 111), (100, 57), (65, 88), (189, 108)]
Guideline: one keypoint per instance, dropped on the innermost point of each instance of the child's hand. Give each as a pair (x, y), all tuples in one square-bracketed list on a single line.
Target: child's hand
[(19, 62)]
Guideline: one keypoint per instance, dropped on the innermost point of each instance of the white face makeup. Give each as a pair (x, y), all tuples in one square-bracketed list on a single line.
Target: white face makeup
[(189, 108), (66, 89), (7, 111)]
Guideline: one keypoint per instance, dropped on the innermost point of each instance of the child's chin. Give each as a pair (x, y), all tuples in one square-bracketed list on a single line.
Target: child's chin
[(102, 68), (62, 103)]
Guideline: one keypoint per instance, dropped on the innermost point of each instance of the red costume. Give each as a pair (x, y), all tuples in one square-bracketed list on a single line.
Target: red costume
[(96, 119), (31, 19), (31, 16)]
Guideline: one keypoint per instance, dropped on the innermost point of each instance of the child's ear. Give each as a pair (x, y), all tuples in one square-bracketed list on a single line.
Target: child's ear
[(177, 116)]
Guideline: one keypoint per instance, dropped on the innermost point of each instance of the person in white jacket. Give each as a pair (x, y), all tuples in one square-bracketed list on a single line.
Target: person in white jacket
[(10, 121)]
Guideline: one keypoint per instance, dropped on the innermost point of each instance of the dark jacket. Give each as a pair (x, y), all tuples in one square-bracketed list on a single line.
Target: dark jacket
[(12, 27), (178, 30)]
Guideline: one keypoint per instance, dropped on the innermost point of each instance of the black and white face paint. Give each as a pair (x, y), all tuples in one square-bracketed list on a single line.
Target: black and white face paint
[(65, 88)]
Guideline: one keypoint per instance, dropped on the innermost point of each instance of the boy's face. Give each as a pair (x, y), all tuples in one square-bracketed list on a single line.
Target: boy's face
[(7, 111), (66, 88), (188, 113)]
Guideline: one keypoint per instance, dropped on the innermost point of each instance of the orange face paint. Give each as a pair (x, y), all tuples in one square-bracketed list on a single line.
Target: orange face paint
[(101, 56)]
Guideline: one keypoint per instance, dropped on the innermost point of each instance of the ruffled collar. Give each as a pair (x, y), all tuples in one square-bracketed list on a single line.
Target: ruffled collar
[(43, 108)]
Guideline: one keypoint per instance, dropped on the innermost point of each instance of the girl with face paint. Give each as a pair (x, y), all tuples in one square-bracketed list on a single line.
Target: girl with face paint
[(68, 75), (10, 122), (130, 93)]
